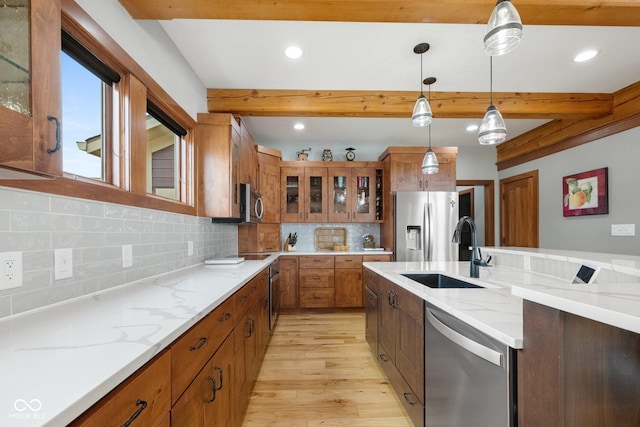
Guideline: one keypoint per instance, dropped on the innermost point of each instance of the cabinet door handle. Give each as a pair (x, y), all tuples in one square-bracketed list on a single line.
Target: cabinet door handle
[(58, 137), (371, 297), (225, 317), (409, 401), (203, 341), (219, 370), (420, 184), (142, 405), (384, 357), (214, 389)]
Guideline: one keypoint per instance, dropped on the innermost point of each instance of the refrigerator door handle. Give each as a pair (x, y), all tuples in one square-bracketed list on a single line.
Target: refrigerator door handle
[(426, 233)]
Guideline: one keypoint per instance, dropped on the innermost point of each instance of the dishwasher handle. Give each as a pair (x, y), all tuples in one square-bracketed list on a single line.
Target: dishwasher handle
[(468, 344)]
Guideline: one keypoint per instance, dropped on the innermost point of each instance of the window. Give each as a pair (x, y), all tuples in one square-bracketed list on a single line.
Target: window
[(164, 163), (87, 87)]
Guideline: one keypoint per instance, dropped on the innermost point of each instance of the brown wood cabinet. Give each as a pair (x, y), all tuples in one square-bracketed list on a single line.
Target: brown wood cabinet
[(26, 137), (348, 281), (259, 238), (574, 371), (405, 169), (351, 194), (371, 310), (288, 281), (316, 277), (269, 183), (145, 397), (304, 194), (248, 170), (218, 153), (209, 400), (401, 345)]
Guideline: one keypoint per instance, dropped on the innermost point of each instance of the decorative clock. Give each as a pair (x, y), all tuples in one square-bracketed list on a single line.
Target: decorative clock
[(350, 154)]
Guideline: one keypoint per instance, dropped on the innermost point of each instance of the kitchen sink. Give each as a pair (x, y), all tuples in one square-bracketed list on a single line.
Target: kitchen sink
[(440, 281)]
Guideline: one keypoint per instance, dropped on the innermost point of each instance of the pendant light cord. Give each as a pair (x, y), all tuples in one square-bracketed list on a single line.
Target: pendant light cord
[(490, 80), (421, 84), (429, 123)]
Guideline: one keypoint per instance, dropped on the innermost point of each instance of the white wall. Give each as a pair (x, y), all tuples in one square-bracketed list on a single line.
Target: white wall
[(620, 153), (148, 44)]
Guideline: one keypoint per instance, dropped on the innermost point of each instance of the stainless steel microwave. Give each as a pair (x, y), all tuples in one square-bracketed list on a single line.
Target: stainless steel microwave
[(251, 207)]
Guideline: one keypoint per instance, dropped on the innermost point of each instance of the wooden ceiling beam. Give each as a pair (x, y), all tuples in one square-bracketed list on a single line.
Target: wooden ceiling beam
[(560, 135), (532, 12), (346, 103)]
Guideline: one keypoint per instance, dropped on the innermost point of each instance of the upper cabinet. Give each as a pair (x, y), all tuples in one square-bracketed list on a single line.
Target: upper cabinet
[(304, 196), (218, 150), (30, 100), (405, 169), (352, 195), (269, 183), (248, 165)]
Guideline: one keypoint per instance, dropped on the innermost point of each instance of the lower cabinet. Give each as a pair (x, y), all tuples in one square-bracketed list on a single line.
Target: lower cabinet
[(204, 378), (144, 399), (288, 281), (348, 281), (316, 278), (209, 400), (371, 310), (400, 346)]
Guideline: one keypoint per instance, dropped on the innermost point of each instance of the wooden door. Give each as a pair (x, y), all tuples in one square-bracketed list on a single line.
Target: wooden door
[(388, 320), (519, 210), (406, 173), (445, 179), (371, 319), (288, 282), (218, 405), (293, 194), (364, 199), (270, 188), (410, 341), (348, 287), (316, 194), (340, 194)]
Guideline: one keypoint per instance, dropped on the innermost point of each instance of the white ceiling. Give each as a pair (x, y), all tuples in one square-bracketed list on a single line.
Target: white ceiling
[(379, 56)]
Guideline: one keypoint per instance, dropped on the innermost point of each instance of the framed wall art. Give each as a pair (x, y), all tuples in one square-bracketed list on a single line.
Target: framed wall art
[(585, 193)]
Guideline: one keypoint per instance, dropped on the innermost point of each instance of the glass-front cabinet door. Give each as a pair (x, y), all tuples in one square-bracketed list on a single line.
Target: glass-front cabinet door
[(30, 86), (316, 200), (364, 194), (340, 194), (293, 191)]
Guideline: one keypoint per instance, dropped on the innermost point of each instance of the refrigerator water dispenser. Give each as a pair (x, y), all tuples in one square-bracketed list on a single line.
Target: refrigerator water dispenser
[(413, 237)]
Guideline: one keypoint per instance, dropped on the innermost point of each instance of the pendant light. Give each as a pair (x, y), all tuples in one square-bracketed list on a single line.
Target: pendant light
[(422, 110), (430, 161), (504, 29), (492, 130)]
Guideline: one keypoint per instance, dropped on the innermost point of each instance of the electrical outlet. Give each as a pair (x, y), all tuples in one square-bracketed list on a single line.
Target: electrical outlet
[(623, 229), (63, 264), (127, 256), (10, 270), (190, 248)]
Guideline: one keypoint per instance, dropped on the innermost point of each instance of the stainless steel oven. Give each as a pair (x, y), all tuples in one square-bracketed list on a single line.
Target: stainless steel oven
[(274, 293), (469, 376)]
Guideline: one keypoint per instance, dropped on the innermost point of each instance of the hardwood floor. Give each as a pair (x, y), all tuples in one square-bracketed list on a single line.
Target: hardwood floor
[(318, 371)]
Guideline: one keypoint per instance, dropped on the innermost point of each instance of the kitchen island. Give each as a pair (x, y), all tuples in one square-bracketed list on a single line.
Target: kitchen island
[(577, 345)]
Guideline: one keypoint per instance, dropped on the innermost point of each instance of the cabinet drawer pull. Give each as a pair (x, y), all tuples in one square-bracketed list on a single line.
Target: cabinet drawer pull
[(384, 357), (225, 317), (253, 288), (142, 405), (317, 260), (214, 389), (203, 341), (409, 401), (58, 138), (348, 260), (317, 297), (371, 297), (244, 298), (219, 370), (316, 277)]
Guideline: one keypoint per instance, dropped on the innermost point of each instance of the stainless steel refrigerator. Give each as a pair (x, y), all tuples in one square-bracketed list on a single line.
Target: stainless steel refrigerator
[(424, 224)]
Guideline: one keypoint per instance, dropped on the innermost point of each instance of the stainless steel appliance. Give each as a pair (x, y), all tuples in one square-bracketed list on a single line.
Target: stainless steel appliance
[(469, 377), (251, 207), (274, 293), (424, 223)]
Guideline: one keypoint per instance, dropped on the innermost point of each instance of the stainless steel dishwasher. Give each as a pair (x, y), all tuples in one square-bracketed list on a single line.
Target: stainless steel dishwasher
[(469, 376)]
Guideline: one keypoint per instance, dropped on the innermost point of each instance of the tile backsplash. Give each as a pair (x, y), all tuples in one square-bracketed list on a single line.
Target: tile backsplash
[(36, 224), (307, 234)]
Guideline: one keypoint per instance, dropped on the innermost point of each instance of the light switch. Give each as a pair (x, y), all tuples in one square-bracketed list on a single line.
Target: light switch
[(623, 229), (190, 248), (63, 264), (127, 256)]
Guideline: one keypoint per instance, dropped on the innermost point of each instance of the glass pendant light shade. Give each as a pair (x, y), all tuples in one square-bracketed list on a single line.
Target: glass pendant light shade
[(492, 130), (421, 112), (504, 29), (430, 163)]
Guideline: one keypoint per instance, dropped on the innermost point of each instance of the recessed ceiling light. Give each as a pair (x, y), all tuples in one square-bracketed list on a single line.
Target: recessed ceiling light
[(585, 55), (471, 128), (293, 52), (298, 126)]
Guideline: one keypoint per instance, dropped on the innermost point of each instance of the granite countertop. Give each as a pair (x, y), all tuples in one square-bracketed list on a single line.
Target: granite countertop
[(61, 359)]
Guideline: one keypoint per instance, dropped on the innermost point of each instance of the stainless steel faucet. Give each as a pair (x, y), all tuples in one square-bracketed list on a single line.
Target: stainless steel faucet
[(476, 258)]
